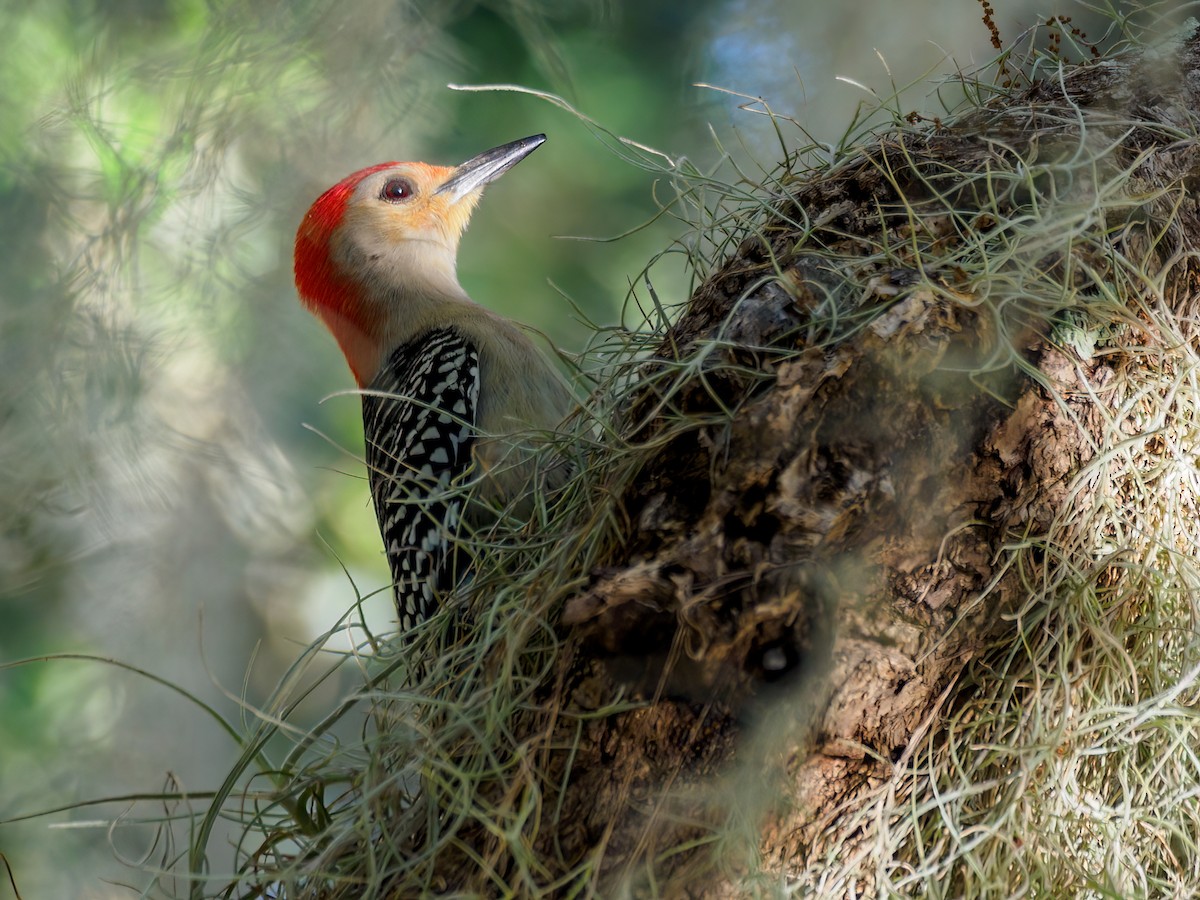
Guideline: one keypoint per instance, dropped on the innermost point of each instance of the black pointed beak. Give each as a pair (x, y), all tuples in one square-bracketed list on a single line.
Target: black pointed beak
[(488, 166)]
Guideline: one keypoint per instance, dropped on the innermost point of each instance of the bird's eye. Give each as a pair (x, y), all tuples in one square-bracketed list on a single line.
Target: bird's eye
[(397, 189)]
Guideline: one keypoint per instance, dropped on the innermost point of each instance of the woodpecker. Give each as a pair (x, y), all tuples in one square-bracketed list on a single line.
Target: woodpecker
[(451, 390)]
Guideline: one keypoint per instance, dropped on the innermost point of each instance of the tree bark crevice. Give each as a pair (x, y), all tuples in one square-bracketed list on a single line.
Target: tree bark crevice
[(902, 376)]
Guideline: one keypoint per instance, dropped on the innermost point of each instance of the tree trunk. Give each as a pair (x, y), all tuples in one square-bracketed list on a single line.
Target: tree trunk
[(911, 370)]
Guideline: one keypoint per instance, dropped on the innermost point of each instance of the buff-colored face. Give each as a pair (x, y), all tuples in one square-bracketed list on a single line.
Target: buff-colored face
[(405, 219), (404, 203)]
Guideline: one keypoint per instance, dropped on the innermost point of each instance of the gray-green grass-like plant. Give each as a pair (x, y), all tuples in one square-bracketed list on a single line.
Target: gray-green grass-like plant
[(1062, 761)]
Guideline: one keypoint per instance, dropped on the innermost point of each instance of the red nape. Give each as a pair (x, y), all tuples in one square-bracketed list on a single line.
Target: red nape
[(317, 281)]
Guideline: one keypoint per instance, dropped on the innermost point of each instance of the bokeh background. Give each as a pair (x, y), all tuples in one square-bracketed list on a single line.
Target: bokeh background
[(180, 491)]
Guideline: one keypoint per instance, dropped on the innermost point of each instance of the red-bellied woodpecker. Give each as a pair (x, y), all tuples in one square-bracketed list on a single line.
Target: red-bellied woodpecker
[(449, 386)]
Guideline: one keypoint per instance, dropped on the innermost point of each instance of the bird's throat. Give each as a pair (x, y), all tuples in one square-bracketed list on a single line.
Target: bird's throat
[(359, 345)]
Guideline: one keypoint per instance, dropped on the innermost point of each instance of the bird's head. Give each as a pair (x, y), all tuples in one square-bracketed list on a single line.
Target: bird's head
[(381, 244)]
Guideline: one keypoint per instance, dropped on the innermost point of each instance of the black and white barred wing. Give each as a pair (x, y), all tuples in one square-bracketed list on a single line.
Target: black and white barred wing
[(418, 418)]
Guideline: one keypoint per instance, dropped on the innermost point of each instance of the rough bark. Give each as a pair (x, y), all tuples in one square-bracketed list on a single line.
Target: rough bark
[(820, 539), (806, 576)]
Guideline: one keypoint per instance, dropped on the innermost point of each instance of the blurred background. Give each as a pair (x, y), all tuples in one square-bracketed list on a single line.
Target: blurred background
[(180, 490)]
